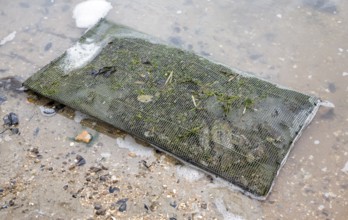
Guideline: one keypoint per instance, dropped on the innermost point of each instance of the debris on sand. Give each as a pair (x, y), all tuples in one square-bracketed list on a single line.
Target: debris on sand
[(80, 160), (123, 204), (11, 119), (84, 136)]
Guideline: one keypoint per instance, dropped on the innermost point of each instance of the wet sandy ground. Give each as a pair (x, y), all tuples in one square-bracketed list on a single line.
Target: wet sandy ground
[(299, 44)]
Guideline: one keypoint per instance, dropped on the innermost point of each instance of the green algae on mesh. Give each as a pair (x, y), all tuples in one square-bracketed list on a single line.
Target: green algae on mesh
[(235, 126)]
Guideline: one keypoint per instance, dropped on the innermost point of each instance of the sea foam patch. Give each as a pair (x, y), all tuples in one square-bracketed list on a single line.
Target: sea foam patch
[(129, 143), (88, 13), (189, 173), (79, 55)]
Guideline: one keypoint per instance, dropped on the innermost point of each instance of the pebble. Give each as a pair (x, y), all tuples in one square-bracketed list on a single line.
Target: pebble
[(112, 206), (103, 178), (204, 206), (132, 154), (123, 207), (100, 212), (316, 142), (72, 167), (113, 189), (95, 169), (146, 207), (97, 206), (80, 160), (84, 136), (123, 204), (11, 203), (11, 119), (173, 204), (35, 153), (154, 206), (34, 150)]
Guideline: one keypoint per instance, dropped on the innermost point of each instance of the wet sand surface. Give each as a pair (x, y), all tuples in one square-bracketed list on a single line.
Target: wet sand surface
[(299, 44)]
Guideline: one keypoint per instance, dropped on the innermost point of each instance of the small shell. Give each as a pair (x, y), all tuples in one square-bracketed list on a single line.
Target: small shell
[(48, 112)]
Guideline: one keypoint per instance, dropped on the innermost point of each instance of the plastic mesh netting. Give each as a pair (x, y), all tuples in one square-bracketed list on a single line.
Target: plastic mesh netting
[(223, 121)]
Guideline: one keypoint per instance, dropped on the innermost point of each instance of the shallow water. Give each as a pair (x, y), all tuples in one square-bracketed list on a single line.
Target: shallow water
[(299, 44)]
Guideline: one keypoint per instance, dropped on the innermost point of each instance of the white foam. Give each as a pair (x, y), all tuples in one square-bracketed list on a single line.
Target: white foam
[(345, 168), (79, 116), (327, 104), (129, 143), (79, 55), (105, 154), (8, 38), (88, 13), (220, 205), (189, 173)]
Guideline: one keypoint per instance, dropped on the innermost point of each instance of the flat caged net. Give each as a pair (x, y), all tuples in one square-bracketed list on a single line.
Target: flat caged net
[(225, 122)]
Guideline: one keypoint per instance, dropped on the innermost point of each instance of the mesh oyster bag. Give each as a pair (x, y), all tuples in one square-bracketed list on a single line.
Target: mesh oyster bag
[(219, 119)]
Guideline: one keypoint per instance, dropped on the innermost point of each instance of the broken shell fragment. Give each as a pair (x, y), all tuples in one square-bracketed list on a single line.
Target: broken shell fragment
[(84, 136)]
